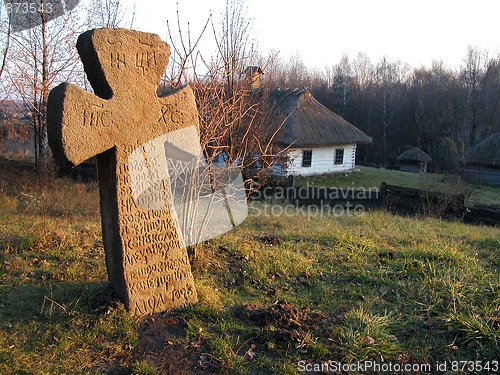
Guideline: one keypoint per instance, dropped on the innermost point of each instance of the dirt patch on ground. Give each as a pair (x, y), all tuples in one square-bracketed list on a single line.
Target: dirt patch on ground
[(163, 345), (283, 315), (281, 328), (284, 327), (272, 240)]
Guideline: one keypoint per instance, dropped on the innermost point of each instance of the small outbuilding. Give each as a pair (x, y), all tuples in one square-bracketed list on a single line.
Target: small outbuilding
[(414, 160), (482, 162)]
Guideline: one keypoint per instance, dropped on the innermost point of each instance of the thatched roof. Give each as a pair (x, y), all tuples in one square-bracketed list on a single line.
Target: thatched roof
[(414, 154), (485, 153), (308, 123)]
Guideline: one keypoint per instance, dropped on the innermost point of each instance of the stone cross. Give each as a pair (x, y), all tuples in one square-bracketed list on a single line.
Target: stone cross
[(147, 265)]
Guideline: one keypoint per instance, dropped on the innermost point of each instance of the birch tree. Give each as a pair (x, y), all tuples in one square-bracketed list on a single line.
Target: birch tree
[(110, 13)]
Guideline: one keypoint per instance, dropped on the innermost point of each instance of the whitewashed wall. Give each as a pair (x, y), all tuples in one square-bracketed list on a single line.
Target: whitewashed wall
[(323, 161)]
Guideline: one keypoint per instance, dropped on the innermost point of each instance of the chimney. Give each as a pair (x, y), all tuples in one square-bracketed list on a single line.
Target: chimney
[(253, 75)]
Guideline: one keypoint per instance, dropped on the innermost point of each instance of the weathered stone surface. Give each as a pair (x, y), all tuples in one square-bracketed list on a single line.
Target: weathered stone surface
[(146, 263)]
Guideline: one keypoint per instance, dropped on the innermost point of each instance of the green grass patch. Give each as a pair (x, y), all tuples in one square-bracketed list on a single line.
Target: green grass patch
[(273, 292)]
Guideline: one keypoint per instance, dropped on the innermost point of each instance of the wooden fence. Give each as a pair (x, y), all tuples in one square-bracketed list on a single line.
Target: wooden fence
[(416, 201), (482, 214), (393, 198)]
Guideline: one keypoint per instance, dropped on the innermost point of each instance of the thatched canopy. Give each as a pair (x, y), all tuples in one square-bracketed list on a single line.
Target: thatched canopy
[(414, 154), (308, 123), (485, 153)]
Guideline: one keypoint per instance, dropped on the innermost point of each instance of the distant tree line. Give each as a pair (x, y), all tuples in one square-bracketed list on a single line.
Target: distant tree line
[(444, 112)]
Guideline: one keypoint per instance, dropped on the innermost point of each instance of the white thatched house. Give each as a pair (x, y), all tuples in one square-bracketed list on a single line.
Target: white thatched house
[(318, 140)]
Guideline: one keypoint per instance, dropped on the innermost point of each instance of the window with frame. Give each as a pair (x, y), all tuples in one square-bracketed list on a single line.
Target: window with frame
[(339, 156), (306, 158)]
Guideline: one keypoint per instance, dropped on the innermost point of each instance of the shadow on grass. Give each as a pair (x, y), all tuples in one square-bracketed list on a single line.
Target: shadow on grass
[(27, 302), (64, 328)]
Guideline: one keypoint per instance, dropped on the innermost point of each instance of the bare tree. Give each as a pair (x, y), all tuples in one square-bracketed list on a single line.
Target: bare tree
[(362, 114), (110, 13), (472, 74), (491, 99), (235, 47), (5, 40), (296, 73), (232, 118), (41, 57), (339, 80), (276, 74), (234, 129), (390, 77)]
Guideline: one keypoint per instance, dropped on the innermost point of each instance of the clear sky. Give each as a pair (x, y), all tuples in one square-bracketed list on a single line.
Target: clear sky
[(416, 32)]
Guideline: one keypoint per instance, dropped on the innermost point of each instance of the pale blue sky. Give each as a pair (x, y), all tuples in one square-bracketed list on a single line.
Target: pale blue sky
[(416, 32)]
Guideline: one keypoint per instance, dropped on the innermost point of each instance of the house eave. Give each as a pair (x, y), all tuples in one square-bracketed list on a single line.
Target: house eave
[(317, 145)]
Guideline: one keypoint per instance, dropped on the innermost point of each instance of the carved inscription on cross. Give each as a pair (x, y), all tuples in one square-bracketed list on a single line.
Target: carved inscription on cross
[(146, 264)]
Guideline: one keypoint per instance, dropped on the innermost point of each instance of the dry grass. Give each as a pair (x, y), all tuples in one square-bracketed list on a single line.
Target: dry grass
[(273, 292)]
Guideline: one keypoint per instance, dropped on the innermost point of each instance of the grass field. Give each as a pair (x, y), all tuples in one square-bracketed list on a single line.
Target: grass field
[(17, 149), (369, 177), (275, 294)]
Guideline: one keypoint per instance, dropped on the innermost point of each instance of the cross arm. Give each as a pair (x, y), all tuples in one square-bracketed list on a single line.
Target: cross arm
[(78, 125)]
